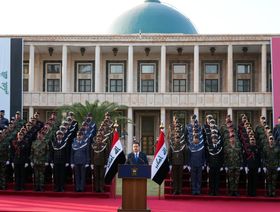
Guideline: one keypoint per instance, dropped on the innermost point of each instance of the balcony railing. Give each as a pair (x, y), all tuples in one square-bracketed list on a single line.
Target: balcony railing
[(144, 100)]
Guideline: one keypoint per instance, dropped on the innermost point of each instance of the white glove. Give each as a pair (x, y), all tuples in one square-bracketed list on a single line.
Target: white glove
[(170, 167), (66, 164), (72, 166), (189, 168), (241, 168), (259, 170), (92, 166), (184, 167), (7, 162), (226, 169), (278, 169), (51, 164), (31, 164), (207, 168), (246, 170), (203, 168), (46, 164), (264, 169), (221, 169), (86, 165), (105, 166), (13, 165), (25, 165)]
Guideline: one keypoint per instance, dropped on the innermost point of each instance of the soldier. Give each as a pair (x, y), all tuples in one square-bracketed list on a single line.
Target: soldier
[(80, 160), (59, 160), (177, 157), (39, 158), (196, 158), (232, 156), (99, 156), (4, 160), (19, 160), (253, 164), (3, 121), (276, 133), (215, 160), (271, 165)]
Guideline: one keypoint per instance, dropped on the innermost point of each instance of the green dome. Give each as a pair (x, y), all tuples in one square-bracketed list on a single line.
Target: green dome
[(152, 17)]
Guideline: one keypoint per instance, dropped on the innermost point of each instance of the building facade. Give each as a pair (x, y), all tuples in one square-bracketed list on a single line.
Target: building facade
[(156, 75)]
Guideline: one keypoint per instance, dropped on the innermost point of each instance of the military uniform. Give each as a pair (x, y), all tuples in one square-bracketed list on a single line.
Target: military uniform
[(80, 159), (253, 163), (4, 157), (276, 135), (39, 157), (59, 157), (19, 157), (99, 156), (177, 158), (271, 163)]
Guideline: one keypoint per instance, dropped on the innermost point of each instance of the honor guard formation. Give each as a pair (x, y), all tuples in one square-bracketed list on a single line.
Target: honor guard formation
[(61, 153)]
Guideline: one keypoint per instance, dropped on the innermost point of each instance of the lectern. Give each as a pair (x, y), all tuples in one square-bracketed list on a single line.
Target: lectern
[(134, 187)]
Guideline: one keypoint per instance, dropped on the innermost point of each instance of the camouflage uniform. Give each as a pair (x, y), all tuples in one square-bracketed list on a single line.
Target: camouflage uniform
[(4, 157), (39, 157), (233, 161), (99, 156), (271, 162)]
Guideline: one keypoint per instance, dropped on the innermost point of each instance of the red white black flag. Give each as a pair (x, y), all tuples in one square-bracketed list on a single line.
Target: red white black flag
[(116, 157), (160, 166)]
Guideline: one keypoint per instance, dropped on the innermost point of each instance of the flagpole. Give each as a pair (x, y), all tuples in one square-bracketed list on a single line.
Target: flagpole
[(161, 127)]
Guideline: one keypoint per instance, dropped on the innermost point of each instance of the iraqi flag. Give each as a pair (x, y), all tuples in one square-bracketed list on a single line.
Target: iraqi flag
[(160, 166), (116, 157)]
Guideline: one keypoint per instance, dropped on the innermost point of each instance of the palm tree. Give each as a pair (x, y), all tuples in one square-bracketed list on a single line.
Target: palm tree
[(98, 110)]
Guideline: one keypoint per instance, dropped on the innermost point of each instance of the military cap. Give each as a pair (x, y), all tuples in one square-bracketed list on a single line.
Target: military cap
[(266, 127), (36, 113), (84, 123), (12, 118), (262, 117), (70, 113), (65, 123), (193, 117), (2, 111), (1, 131), (209, 116), (53, 113), (271, 137), (20, 134), (89, 114), (18, 112), (62, 127), (59, 132), (68, 118), (80, 133)]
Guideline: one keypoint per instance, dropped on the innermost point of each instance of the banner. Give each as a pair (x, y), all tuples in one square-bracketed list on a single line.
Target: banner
[(275, 65), (5, 75), (11, 54)]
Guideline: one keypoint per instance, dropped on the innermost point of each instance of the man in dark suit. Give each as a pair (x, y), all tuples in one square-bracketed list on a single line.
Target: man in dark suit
[(136, 157)]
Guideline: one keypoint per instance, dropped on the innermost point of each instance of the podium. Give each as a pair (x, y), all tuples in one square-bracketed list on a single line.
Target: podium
[(134, 187)]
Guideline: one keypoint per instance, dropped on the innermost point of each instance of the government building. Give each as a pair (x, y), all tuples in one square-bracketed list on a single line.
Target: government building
[(154, 62)]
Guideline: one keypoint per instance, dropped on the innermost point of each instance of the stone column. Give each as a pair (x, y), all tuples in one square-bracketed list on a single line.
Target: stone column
[(196, 70), (31, 69), (163, 118), (129, 130), (264, 113), (163, 69), (31, 112), (230, 112), (64, 80), (130, 70), (196, 112), (263, 74), (97, 70), (230, 69)]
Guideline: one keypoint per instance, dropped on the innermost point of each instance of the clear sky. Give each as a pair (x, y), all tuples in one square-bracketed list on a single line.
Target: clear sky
[(95, 16)]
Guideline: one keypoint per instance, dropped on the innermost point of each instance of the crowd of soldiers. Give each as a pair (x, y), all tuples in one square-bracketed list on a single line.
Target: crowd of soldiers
[(53, 152), (206, 147)]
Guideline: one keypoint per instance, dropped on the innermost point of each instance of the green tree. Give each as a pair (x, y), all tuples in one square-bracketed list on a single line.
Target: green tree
[(98, 110)]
